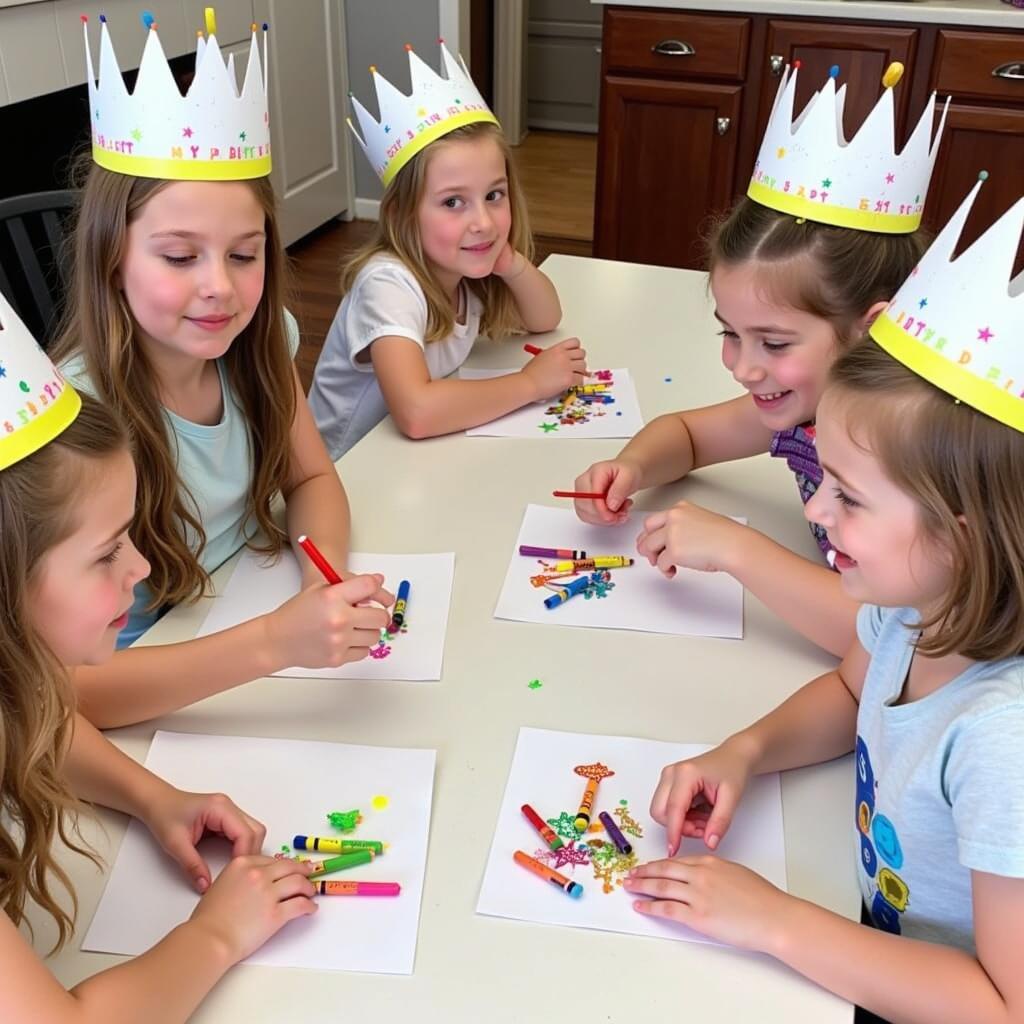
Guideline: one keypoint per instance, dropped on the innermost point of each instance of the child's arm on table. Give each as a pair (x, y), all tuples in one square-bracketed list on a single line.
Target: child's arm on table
[(422, 407), (668, 448), (900, 979), (805, 595), (251, 900), (534, 294)]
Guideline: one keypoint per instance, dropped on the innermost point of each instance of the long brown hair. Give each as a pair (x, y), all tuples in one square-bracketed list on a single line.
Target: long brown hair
[(963, 469), (37, 701), (99, 326), (834, 273), (397, 234)]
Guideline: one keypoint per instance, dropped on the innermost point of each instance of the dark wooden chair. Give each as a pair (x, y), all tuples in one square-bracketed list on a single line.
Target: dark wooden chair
[(33, 270)]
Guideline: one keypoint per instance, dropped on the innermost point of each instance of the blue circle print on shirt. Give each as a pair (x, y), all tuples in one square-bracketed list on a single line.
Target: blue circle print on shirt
[(865, 775), (867, 856), (886, 841), (884, 915)]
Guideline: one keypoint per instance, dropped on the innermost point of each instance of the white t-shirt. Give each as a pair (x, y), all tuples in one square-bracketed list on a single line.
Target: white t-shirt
[(385, 300)]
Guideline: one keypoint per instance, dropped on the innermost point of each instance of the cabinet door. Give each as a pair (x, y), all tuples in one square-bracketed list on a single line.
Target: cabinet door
[(312, 159), (862, 52), (666, 159), (977, 139)]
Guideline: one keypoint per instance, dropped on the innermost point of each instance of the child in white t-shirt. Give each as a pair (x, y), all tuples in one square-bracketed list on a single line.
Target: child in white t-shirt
[(449, 261)]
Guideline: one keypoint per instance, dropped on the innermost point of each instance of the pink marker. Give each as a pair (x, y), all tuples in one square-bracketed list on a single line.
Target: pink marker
[(327, 888)]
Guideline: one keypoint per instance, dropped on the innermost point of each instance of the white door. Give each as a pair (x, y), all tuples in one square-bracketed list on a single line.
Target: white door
[(312, 151)]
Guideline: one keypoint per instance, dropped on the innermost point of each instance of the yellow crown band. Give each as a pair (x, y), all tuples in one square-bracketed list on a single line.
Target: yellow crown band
[(837, 216), (432, 134), (182, 170), (957, 380), (57, 416)]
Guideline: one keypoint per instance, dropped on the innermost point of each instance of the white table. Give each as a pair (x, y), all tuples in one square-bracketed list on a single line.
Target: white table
[(467, 495)]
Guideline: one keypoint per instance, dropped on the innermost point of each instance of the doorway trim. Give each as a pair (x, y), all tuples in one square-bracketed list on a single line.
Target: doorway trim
[(509, 68)]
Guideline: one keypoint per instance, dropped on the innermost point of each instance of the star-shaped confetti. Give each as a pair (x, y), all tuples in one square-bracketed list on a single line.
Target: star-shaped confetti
[(534, 684), (890, 178), (780, 152), (136, 134), (547, 427), (826, 182), (564, 825), (186, 132), (984, 334), (570, 855), (922, 304)]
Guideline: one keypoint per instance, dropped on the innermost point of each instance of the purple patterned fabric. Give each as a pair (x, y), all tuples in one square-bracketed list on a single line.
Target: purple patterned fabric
[(796, 446)]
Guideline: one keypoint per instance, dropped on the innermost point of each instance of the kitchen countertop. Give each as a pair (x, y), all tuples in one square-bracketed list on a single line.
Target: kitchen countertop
[(974, 13)]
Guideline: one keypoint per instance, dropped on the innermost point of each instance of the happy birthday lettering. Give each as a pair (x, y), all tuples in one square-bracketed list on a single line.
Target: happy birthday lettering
[(800, 191), (925, 334), (191, 152)]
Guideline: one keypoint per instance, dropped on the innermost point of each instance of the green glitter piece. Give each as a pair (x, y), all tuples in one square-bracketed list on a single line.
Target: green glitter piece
[(564, 825), (534, 684), (344, 821), (285, 848)]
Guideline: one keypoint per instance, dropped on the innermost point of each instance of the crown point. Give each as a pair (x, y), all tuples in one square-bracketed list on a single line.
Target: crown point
[(84, 17), (893, 73), (103, 18), (253, 27), (265, 26), (833, 72), (982, 175), (440, 40), (373, 69), (408, 47)]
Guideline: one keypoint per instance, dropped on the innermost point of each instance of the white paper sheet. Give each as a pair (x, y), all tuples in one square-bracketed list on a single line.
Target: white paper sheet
[(691, 604), (289, 785), (257, 587), (542, 776), (620, 419)]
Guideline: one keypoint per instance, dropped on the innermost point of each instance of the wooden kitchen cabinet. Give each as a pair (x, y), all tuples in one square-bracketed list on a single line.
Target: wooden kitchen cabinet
[(664, 170)]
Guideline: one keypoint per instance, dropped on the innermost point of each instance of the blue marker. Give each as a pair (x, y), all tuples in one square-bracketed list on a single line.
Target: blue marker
[(401, 601), (571, 589)]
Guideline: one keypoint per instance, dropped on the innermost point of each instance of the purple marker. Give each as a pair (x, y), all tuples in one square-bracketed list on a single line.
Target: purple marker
[(568, 553), (612, 829)]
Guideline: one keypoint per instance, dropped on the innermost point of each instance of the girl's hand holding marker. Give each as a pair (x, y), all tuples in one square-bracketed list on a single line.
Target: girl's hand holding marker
[(556, 369)]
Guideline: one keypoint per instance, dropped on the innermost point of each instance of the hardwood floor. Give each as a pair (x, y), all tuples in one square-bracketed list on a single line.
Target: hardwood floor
[(558, 171)]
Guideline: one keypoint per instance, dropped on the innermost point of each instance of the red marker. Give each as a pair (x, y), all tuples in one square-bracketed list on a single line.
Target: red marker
[(547, 832), (318, 560), (595, 495), (533, 350)]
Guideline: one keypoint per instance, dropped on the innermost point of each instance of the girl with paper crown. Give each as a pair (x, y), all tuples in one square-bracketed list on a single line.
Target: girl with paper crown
[(67, 572), (798, 269), (921, 439), (175, 320), (449, 260)]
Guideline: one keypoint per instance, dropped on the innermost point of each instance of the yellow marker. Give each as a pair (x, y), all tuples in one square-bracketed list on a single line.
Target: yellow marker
[(211, 21), (893, 73), (598, 562)]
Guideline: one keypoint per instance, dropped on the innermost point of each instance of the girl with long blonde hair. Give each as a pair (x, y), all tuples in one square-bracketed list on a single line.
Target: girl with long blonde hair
[(449, 260), (175, 319), (67, 573)]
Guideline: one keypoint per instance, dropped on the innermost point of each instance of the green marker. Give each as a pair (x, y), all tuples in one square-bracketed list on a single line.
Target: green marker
[(342, 862)]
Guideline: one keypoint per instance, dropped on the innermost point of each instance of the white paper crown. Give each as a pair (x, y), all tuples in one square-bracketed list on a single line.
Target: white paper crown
[(213, 133), (807, 168), (960, 323), (408, 124), (35, 403)]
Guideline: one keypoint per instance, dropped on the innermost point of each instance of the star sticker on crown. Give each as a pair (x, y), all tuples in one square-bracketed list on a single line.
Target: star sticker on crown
[(780, 152), (922, 304), (186, 132), (890, 178), (826, 182), (984, 334), (136, 134), (241, 136), (3, 372)]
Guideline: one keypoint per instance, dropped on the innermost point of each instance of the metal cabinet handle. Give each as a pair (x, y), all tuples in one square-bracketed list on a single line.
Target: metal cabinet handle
[(597, 49), (722, 124), (1014, 69), (673, 48), (776, 62)]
